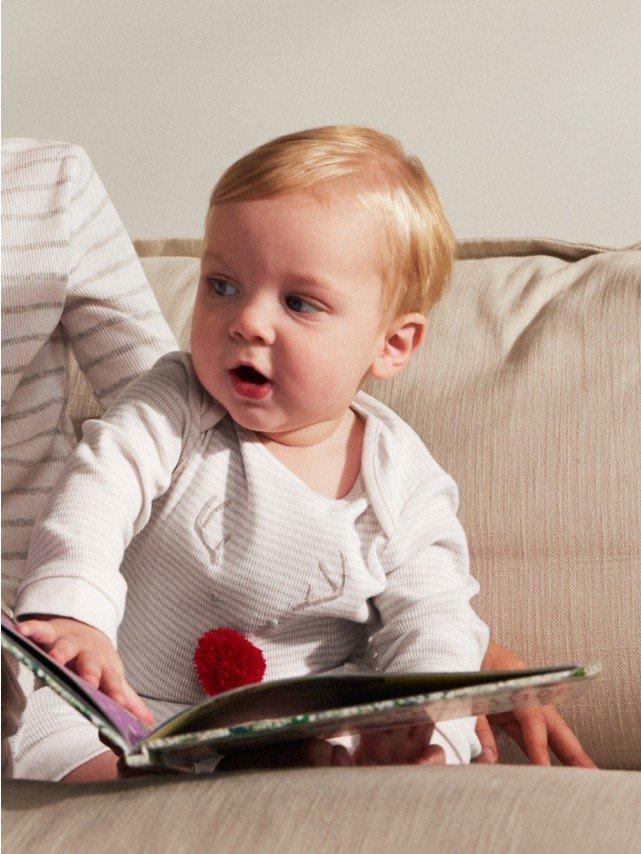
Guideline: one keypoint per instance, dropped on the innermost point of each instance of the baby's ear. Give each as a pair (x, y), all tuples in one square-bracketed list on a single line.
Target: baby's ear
[(403, 339)]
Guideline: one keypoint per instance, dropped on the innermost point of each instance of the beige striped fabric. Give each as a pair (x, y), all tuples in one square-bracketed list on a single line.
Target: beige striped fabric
[(527, 389), (71, 282)]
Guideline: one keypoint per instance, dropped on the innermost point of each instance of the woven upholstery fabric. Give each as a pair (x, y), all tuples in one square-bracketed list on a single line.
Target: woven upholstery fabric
[(477, 809), (527, 390)]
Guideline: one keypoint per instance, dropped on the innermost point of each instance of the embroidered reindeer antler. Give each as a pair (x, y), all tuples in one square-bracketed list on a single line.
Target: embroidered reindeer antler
[(202, 520), (336, 587)]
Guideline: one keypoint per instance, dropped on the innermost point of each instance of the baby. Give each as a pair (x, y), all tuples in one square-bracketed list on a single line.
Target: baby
[(252, 483)]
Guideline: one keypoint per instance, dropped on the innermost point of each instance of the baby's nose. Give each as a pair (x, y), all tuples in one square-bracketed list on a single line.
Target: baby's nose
[(252, 322)]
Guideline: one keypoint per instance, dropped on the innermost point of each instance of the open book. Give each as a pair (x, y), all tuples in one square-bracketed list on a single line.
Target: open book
[(302, 707)]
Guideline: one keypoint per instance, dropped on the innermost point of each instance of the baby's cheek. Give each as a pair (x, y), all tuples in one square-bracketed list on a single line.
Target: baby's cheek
[(197, 342), (323, 384), (326, 375)]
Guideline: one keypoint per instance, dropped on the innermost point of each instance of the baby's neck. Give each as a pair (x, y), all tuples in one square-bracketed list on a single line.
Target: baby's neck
[(330, 467), (321, 438)]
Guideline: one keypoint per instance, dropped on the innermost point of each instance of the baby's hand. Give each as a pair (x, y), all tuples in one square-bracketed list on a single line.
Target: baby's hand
[(87, 651), (401, 745)]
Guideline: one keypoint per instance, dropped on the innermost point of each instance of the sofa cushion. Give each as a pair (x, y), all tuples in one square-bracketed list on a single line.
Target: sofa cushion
[(398, 808), (527, 389)]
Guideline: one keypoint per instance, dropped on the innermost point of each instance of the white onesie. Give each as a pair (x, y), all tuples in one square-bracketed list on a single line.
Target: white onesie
[(170, 503)]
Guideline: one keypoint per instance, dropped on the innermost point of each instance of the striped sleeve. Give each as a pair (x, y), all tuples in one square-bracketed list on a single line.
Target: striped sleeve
[(111, 317)]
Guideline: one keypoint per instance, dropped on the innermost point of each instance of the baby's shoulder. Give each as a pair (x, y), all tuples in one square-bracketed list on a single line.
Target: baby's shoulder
[(175, 367), (395, 440), (174, 374), (397, 465)]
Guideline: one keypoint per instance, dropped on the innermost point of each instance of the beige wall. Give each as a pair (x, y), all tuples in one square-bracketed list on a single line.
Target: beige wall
[(526, 114)]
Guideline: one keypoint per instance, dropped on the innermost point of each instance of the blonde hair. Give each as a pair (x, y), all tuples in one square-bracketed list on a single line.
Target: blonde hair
[(348, 162)]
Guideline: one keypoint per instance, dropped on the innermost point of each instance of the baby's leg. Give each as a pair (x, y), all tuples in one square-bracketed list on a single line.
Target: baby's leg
[(55, 742), (101, 767)]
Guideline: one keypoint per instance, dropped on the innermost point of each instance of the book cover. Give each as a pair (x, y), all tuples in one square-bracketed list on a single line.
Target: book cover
[(299, 707)]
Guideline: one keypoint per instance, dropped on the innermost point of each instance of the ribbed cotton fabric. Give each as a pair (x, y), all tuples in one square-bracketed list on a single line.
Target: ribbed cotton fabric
[(209, 529), (71, 281)]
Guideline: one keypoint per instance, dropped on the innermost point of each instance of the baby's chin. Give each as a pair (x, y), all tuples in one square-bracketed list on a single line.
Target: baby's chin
[(262, 417), (269, 429)]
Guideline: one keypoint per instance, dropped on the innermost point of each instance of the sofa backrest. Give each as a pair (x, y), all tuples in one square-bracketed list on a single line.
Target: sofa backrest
[(527, 389)]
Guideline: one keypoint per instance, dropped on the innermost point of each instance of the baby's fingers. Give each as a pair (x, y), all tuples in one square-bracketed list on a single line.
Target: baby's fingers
[(530, 737), (534, 735), (114, 685), (314, 753), (136, 706), (64, 650), (89, 667), (563, 742), (39, 631)]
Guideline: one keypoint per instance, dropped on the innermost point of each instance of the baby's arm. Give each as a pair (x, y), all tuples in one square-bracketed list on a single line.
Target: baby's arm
[(102, 500), (425, 615)]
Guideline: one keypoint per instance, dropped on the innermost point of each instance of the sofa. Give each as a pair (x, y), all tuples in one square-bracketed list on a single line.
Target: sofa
[(527, 389)]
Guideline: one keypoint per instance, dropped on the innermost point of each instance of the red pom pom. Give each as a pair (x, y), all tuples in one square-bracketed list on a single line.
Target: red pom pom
[(225, 659)]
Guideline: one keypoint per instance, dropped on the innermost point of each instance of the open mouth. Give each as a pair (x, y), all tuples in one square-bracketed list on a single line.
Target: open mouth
[(249, 383), (250, 375)]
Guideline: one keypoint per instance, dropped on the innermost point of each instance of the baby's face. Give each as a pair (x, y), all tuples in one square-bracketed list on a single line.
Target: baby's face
[(292, 287)]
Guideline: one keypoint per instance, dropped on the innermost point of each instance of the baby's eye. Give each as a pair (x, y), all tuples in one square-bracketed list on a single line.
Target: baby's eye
[(215, 282), (306, 303)]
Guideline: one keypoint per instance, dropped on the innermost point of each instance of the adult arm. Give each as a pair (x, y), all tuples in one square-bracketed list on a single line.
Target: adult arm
[(111, 317)]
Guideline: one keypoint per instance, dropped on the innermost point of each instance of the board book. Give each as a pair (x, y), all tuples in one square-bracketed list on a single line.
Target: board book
[(301, 707)]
